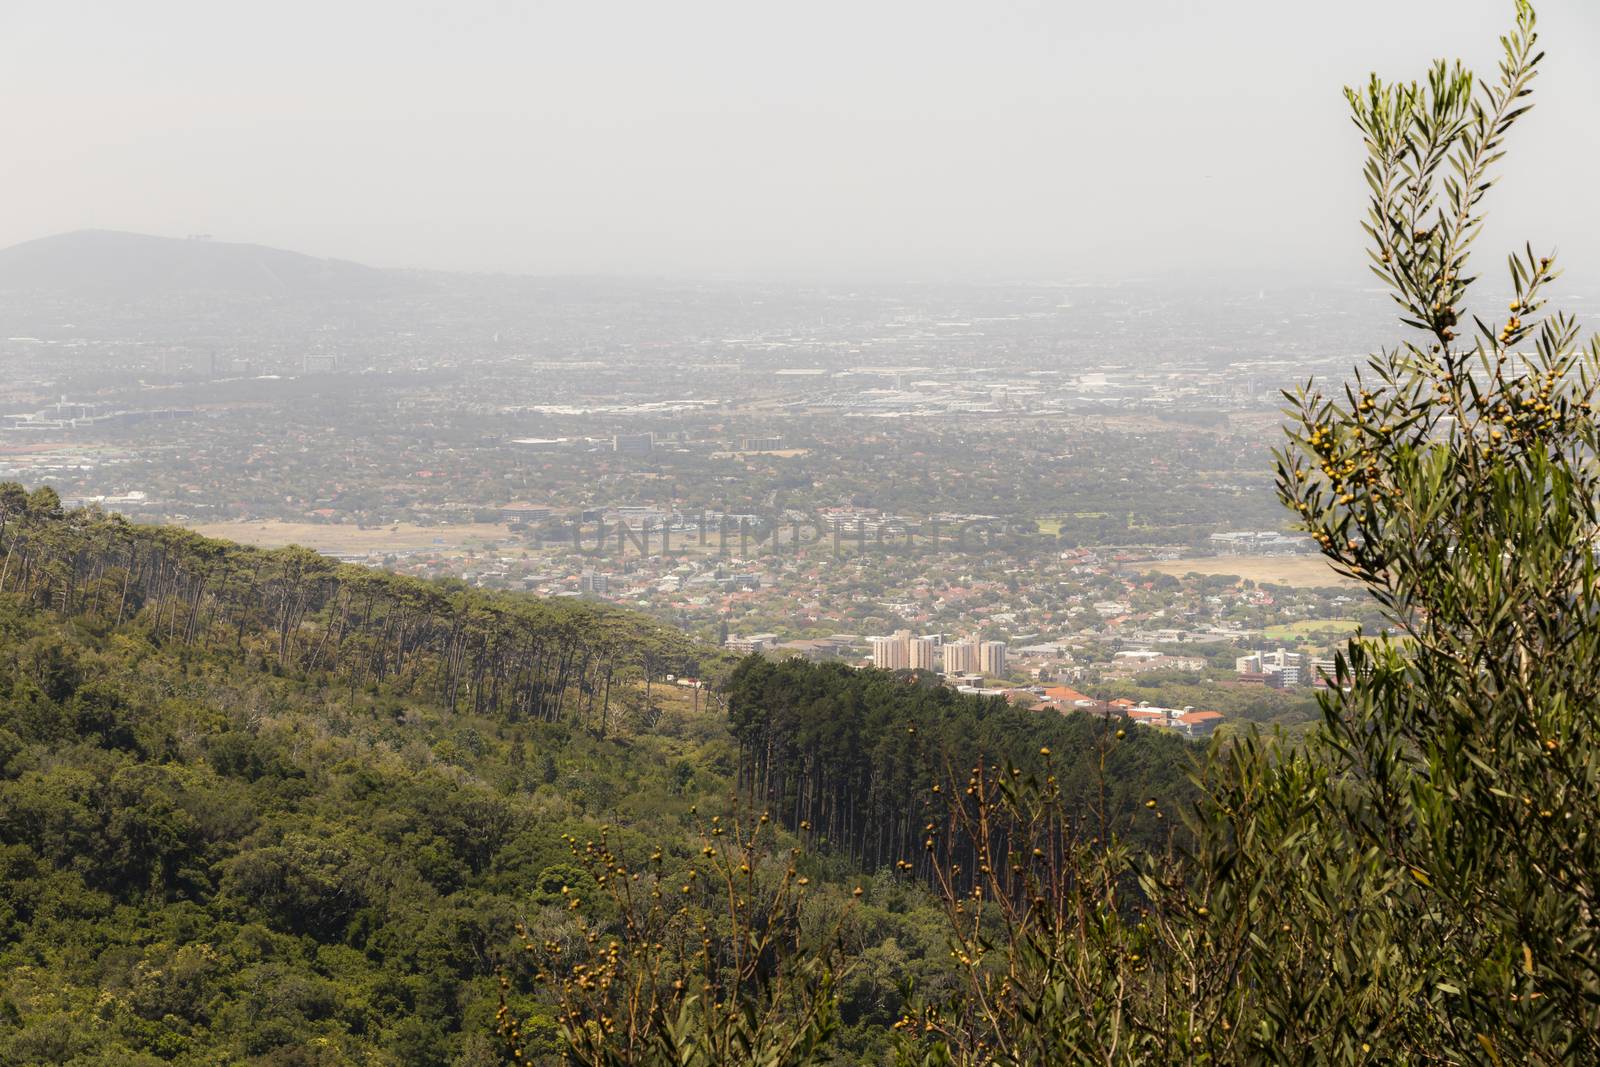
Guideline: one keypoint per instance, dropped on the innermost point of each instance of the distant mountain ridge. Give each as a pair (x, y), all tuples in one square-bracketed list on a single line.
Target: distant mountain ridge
[(112, 265)]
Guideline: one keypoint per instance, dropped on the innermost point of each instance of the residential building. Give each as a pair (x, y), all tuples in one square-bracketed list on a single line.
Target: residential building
[(892, 653), (520, 512), (635, 443), (1281, 669), (1190, 722), (751, 643), (925, 654), (960, 657)]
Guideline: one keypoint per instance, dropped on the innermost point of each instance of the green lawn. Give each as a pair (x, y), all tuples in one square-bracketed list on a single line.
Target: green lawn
[(1309, 627)]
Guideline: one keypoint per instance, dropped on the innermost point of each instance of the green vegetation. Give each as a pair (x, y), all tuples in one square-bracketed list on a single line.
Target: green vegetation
[(224, 841), (1415, 881), (849, 757), (257, 807), (1315, 630)]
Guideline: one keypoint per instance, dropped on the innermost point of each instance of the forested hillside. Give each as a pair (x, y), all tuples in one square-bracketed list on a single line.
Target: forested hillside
[(306, 614), (853, 757), (257, 807)]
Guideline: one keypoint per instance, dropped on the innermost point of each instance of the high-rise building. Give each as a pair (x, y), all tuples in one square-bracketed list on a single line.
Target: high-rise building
[(992, 658), (594, 582), (925, 654), (961, 657), (892, 653)]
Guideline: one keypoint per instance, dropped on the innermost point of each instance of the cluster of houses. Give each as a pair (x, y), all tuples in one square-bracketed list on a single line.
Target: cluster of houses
[(1188, 721), (1064, 700)]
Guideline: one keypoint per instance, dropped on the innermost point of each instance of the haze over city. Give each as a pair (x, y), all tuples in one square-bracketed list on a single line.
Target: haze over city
[(892, 141)]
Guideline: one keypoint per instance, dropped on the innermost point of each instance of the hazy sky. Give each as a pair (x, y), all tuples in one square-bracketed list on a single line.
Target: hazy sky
[(893, 139)]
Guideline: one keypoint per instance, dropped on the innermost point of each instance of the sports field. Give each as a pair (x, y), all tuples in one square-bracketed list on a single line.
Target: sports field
[(349, 539), (776, 453), (1303, 571), (1339, 628)]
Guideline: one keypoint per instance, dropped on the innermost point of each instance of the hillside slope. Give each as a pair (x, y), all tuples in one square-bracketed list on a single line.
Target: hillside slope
[(260, 808)]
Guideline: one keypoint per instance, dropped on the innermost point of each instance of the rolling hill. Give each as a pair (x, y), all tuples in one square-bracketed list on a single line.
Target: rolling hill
[(117, 267)]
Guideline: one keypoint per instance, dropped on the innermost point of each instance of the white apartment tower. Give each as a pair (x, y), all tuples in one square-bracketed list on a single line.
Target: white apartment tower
[(925, 654), (961, 657), (892, 653)]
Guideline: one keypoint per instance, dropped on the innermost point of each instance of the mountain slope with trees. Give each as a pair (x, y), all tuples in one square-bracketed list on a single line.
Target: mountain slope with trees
[(259, 807)]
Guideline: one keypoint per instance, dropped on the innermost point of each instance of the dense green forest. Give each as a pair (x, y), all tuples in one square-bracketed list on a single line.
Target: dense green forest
[(852, 757), (231, 832), (515, 657), (258, 807)]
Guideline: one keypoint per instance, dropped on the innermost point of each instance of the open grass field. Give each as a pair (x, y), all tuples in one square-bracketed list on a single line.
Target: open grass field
[(1307, 572), (1340, 628), (1052, 524), (348, 539)]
